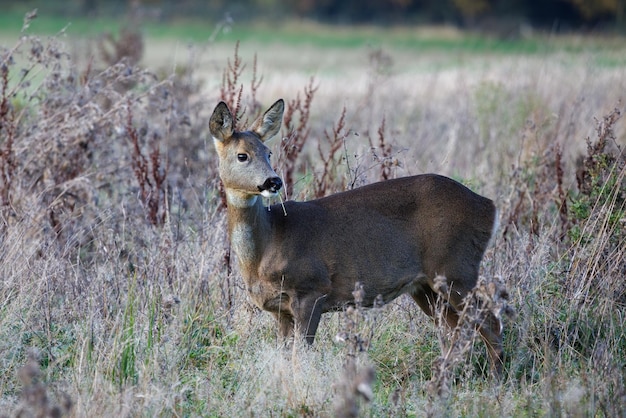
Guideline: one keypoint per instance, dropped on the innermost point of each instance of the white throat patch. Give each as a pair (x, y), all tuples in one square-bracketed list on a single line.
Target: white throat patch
[(236, 200)]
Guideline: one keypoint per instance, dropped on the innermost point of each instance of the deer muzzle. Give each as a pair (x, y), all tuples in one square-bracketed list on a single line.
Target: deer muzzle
[(271, 186)]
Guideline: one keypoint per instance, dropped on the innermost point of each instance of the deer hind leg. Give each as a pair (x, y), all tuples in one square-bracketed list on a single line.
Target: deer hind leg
[(490, 328), (491, 332), (426, 299)]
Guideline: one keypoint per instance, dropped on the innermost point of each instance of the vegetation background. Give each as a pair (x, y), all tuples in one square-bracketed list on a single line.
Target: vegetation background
[(118, 295), (477, 14)]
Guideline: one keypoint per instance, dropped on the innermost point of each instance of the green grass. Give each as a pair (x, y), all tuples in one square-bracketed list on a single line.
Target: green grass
[(321, 36)]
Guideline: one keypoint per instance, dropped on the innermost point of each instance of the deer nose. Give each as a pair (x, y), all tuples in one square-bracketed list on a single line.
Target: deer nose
[(272, 185)]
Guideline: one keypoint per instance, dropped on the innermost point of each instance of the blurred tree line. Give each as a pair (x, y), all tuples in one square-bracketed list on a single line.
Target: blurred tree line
[(552, 14)]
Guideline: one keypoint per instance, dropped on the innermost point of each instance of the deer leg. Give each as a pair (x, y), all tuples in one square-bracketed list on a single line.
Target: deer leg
[(308, 315), (285, 324), (426, 299), (491, 332), (490, 328)]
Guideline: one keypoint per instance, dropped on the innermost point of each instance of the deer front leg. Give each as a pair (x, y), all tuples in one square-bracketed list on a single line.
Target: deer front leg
[(285, 324), (308, 314)]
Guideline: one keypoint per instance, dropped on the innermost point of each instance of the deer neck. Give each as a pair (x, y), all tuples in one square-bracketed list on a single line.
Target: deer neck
[(249, 230)]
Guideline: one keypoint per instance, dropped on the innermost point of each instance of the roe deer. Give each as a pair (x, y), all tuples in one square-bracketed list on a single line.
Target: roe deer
[(394, 237)]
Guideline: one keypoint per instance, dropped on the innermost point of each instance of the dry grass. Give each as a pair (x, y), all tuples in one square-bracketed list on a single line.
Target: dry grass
[(110, 306)]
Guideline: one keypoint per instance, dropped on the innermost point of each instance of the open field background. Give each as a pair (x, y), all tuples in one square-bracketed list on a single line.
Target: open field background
[(117, 293)]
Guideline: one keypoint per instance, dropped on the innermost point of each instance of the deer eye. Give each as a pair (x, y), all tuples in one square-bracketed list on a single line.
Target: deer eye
[(242, 158)]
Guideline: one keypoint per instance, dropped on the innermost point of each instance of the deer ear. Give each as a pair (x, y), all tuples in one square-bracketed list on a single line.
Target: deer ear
[(221, 123), (268, 125)]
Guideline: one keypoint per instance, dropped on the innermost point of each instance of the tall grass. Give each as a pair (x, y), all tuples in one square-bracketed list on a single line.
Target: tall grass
[(118, 296)]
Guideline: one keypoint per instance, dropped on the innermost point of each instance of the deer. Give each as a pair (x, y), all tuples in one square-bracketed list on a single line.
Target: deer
[(299, 260)]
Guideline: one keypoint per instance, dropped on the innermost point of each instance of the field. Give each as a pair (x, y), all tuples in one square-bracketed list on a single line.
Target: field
[(118, 293)]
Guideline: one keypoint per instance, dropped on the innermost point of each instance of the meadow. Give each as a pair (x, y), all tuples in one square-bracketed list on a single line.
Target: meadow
[(118, 292)]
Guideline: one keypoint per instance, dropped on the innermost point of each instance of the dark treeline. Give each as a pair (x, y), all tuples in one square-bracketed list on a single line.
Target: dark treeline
[(550, 14)]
